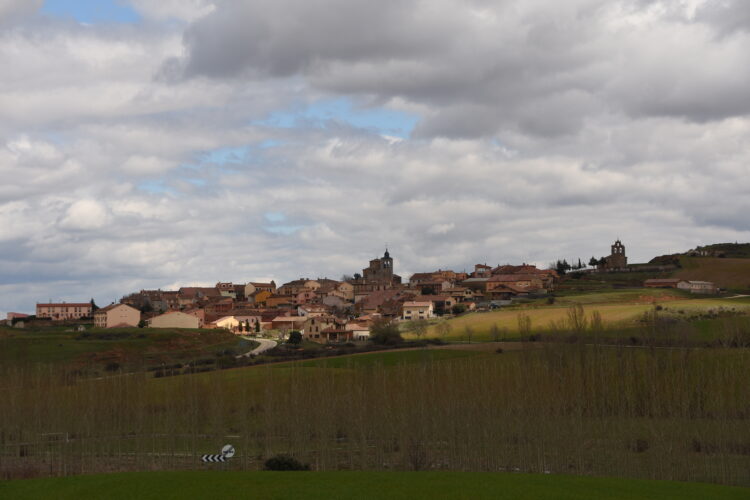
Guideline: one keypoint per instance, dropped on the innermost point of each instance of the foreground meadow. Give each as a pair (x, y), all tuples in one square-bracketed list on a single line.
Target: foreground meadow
[(670, 414), (364, 485)]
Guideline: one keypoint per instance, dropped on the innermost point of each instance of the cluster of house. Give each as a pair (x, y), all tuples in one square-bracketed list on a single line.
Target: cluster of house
[(706, 287), (324, 310)]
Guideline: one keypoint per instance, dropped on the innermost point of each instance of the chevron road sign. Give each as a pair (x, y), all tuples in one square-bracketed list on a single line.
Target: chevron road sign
[(226, 453)]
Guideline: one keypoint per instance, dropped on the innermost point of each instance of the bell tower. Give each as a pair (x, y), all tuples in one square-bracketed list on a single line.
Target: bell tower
[(618, 248), (618, 259), (387, 262)]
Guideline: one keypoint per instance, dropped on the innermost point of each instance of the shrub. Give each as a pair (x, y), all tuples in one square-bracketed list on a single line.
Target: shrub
[(295, 337), (458, 309), (112, 367), (385, 332), (283, 462)]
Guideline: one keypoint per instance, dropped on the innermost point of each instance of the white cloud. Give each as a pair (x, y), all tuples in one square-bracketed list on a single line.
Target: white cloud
[(186, 10), (544, 132), (85, 215)]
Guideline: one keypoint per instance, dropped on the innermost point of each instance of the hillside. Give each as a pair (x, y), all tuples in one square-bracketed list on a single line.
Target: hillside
[(96, 350), (729, 273), (726, 250)]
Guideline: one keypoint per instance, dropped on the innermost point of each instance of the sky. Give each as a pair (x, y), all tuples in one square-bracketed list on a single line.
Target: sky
[(161, 144)]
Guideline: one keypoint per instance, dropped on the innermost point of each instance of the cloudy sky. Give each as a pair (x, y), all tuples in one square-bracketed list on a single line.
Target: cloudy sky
[(156, 144)]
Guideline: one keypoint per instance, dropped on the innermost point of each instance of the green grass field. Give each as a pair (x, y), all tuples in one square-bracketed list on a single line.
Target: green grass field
[(360, 485), (95, 347)]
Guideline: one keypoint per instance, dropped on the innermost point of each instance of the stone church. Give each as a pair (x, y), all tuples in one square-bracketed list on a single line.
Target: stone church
[(617, 259), (378, 275)]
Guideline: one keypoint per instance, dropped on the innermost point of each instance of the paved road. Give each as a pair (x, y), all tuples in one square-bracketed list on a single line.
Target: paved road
[(265, 345)]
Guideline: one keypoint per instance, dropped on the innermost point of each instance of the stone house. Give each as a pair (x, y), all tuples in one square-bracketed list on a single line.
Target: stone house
[(117, 315), (174, 319)]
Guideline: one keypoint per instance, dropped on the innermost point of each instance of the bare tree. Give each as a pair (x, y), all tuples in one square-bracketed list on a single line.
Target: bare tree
[(418, 327), (524, 324), (443, 329), (596, 324), (495, 332), (469, 332), (577, 321)]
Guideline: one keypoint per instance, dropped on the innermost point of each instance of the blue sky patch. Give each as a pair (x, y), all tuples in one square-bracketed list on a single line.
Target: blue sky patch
[(226, 155), (274, 216), (154, 187), (381, 120), (92, 11)]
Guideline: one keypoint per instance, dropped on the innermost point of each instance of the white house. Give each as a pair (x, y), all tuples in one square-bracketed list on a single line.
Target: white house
[(417, 310), (698, 286)]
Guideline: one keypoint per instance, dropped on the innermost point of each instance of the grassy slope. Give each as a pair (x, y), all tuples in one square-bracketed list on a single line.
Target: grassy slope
[(365, 485), (60, 344), (733, 274), (620, 307), (334, 364)]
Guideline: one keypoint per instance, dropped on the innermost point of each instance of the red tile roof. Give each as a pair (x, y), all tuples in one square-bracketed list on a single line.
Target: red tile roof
[(66, 304)]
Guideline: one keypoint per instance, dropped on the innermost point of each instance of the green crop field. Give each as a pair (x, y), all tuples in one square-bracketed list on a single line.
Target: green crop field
[(360, 485), (565, 408)]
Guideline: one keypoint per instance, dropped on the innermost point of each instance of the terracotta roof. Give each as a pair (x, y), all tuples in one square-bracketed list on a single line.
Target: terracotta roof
[(66, 304), (512, 277), (192, 291), (110, 307), (432, 298), (512, 288), (523, 269), (417, 304)]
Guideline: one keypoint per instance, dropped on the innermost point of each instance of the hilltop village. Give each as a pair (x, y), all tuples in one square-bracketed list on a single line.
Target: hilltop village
[(330, 311), (324, 310)]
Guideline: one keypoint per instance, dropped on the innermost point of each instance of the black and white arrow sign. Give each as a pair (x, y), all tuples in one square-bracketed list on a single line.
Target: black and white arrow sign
[(226, 452)]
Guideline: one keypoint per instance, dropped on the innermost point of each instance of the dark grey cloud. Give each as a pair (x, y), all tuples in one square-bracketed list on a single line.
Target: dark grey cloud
[(482, 68), (728, 16), (15, 10)]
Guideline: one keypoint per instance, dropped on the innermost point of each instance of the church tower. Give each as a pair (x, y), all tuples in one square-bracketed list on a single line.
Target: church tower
[(617, 260), (387, 263)]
